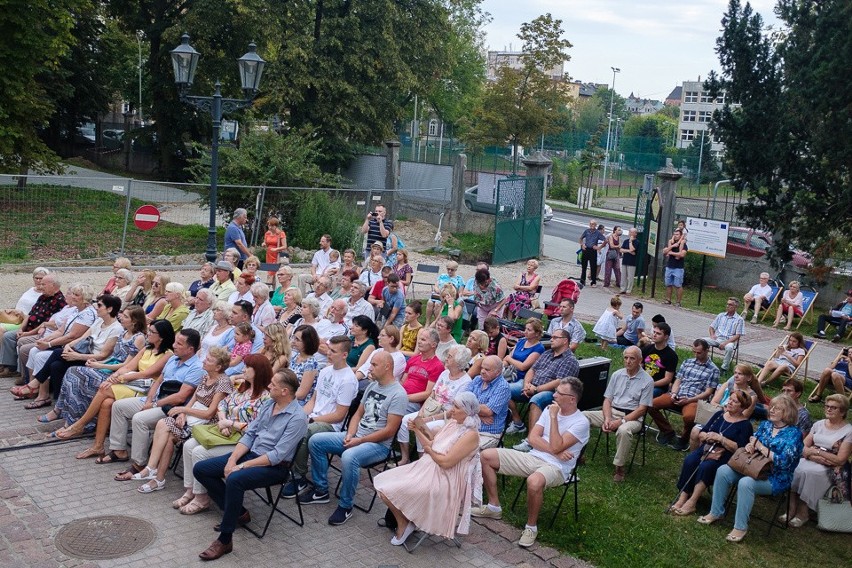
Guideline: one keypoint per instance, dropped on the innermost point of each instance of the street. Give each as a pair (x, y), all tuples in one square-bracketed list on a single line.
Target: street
[(562, 234)]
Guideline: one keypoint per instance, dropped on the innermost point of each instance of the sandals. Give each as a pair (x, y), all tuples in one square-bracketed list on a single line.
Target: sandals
[(193, 508), (815, 398), (38, 403), (46, 419), (708, 520), (183, 501), (128, 473), (735, 538), (90, 453), (148, 488), (152, 473), (24, 392), (111, 457)]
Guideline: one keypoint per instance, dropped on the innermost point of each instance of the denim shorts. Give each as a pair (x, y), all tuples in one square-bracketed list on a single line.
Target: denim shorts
[(674, 277)]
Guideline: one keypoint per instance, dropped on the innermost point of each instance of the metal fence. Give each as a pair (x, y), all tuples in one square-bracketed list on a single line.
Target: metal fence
[(91, 217)]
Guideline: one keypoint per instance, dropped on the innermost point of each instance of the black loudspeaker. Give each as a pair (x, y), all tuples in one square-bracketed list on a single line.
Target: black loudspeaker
[(594, 373)]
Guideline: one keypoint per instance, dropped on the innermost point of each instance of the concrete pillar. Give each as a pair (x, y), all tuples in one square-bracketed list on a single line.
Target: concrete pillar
[(391, 176), (539, 166), (454, 217), (668, 200)]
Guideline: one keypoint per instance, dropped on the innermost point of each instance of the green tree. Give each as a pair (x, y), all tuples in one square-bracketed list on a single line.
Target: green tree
[(645, 142), (37, 34), (787, 143), (522, 104)]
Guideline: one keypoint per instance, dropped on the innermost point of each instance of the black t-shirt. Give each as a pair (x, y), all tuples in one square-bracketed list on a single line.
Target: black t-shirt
[(672, 262), (628, 258), (657, 362)]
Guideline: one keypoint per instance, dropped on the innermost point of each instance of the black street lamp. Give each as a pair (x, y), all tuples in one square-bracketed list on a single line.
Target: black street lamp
[(185, 62)]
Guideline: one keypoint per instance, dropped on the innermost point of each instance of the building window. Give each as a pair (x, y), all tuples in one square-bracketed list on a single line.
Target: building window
[(433, 127), (687, 135), (689, 116), (720, 100), (707, 98), (690, 96), (704, 115)]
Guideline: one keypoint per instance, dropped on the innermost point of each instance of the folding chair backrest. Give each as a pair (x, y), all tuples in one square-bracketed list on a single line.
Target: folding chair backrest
[(525, 314), (810, 297), (422, 275), (809, 347)]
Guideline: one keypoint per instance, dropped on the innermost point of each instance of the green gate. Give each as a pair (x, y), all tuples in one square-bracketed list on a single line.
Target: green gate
[(517, 225)]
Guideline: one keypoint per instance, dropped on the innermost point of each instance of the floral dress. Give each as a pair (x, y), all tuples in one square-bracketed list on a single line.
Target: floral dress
[(310, 364), (204, 395), (80, 384), (522, 299)]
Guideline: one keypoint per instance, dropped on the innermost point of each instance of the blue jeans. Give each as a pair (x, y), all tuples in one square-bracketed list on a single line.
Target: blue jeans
[(747, 488), (541, 399), (228, 494), (351, 460)]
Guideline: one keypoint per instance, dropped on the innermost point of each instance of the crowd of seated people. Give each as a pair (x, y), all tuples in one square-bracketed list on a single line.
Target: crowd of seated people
[(234, 375)]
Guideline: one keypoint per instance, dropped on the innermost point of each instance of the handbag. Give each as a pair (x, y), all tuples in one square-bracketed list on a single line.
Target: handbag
[(612, 254), (834, 514), (431, 407), (705, 411), (510, 373), (193, 421), (85, 346), (209, 436), (754, 465)]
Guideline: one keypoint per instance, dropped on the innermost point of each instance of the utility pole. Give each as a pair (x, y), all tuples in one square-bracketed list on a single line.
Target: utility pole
[(609, 126)]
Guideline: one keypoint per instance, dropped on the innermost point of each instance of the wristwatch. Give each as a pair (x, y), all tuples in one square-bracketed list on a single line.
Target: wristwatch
[(241, 466)]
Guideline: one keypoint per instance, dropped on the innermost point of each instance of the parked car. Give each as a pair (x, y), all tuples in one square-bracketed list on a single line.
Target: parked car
[(743, 241), (471, 201), (113, 138), (85, 135)]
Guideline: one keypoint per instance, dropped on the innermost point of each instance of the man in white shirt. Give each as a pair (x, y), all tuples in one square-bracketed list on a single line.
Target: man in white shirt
[(759, 296), (357, 305), (335, 390), (373, 272), (557, 440), (319, 263), (322, 285), (329, 327), (567, 322)]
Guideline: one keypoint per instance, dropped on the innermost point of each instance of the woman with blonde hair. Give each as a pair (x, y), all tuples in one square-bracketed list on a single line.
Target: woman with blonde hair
[(525, 288), (744, 380), (276, 347), (155, 300), (477, 342), (175, 310), (790, 305), (292, 310)]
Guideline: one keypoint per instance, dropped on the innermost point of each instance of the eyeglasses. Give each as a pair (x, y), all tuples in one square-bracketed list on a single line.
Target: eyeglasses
[(560, 393), (153, 332), (832, 407)]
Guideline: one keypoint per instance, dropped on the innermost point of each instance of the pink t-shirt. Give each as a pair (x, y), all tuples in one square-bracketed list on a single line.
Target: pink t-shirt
[(420, 372)]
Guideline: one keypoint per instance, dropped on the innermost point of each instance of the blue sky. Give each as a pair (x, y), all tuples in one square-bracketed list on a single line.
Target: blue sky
[(657, 44)]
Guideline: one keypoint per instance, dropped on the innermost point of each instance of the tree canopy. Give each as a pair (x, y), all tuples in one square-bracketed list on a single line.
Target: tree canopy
[(788, 121)]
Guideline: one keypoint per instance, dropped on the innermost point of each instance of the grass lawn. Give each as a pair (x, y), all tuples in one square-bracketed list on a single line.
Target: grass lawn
[(45, 222), (625, 525)]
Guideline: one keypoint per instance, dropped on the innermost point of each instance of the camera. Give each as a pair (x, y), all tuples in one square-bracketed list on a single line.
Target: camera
[(846, 352), (374, 214)]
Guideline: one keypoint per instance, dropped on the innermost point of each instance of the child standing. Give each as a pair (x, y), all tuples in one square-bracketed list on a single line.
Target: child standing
[(607, 326)]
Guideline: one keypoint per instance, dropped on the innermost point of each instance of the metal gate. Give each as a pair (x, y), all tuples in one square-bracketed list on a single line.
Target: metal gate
[(517, 226)]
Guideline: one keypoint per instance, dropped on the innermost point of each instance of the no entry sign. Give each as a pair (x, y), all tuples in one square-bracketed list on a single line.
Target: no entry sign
[(146, 217)]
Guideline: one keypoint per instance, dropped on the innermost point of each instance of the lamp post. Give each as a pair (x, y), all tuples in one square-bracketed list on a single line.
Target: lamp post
[(609, 126), (185, 62)]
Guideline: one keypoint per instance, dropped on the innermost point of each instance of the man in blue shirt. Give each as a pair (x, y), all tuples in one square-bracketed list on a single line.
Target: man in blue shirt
[(144, 412), (492, 392), (261, 458), (235, 237), (393, 301)]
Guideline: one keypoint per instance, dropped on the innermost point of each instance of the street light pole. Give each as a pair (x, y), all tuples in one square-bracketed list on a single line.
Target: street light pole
[(609, 126), (185, 61), (139, 34)]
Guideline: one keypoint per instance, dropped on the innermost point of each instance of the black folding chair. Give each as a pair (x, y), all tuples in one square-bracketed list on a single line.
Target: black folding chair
[(572, 481), (273, 504)]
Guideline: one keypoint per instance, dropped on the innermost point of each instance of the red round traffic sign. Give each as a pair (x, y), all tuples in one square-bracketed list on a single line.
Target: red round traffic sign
[(146, 217)]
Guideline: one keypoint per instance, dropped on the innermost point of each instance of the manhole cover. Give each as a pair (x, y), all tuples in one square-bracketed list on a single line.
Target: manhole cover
[(101, 538)]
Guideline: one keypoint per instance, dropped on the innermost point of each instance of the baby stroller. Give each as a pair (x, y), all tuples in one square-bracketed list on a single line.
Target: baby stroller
[(567, 289)]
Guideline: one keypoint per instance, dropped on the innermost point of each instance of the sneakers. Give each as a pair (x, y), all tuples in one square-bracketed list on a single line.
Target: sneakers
[(295, 487), (524, 446), (679, 445), (836, 339), (313, 498), (486, 513), (339, 516), (516, 429), (754, 319), (664, 439), (820, 334), (527, 538)]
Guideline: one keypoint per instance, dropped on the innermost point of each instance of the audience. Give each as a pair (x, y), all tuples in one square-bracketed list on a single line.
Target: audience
[(757, 297), (837, 373), (839, 316), (726, 331)]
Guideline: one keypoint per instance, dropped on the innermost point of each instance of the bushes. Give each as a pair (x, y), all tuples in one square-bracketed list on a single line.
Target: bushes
[(316, 213), (566, 180)]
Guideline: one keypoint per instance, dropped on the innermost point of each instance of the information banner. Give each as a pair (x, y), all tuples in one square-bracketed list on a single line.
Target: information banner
[(707, 236)]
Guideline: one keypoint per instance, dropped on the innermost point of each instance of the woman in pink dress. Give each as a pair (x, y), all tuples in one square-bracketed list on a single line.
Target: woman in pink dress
[(429, 493)]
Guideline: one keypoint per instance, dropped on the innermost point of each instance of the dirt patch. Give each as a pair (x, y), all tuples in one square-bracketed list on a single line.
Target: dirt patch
[(417, 234)]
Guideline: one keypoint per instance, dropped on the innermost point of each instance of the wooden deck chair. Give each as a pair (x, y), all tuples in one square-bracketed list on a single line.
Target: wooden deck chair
[(832, 365), (807, 304), (809, 348), (777, 290)]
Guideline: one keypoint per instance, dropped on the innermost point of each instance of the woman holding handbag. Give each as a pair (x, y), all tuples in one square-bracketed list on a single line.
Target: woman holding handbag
[(777, 440), (613, 258), (234, 414), (827, 447), (726, 431)]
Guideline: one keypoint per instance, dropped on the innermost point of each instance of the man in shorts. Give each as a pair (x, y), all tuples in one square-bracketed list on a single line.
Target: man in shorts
[(675, 253)]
